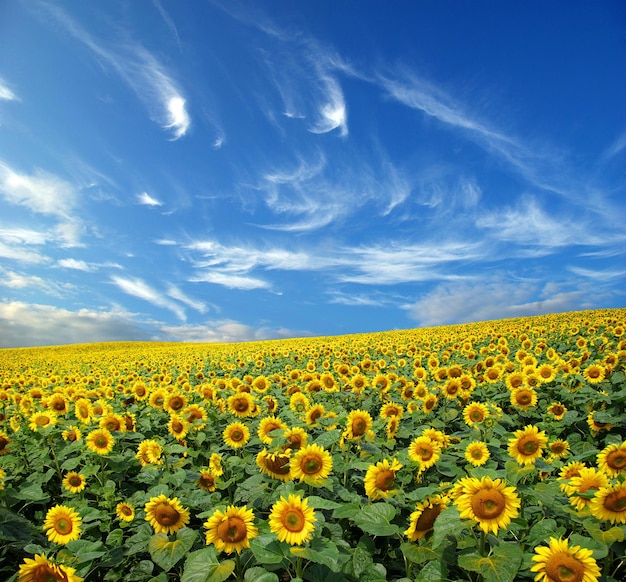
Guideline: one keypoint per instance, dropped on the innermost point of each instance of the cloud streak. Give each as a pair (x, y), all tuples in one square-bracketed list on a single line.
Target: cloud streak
[(140, 289)]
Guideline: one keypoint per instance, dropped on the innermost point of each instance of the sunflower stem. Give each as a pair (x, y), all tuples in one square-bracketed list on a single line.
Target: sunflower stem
[(482, 544), (56, 461), (238, 568)]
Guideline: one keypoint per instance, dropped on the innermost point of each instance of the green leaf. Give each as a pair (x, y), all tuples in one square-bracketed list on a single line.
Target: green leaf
[(258, 574), (348, 510), (328, 438), (615, 534), (166, 553), (203, 566), (418, 554), (32, 492), (447, 523), (501, 566), (599, 548), (268, 550), (376, 519), (321, 503), (361, 560), (321, 551), (515, 472), (433, 572), (14, 527)]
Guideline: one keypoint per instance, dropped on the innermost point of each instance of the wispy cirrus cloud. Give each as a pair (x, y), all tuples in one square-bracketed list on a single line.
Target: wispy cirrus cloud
[(6, 94), (147, 200), (76, 265), (140, 70), (140, 289), (227, 331)]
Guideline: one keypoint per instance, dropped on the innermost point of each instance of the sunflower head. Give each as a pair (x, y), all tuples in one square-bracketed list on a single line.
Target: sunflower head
[(311, 464), (422, 520), (62, 524), (527, 444), (380, 478), (166, 515), (560, 563), (40, 569), (231, 530), (292, 520), (125, 511)]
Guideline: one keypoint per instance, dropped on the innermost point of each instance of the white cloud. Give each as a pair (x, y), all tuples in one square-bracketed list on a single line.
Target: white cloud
[(332, 112), (598, 275), (20, 254), (227, 331), (146, 199), (5, 93), (138, 288), (232, 281), (75, 264), (27, 324), (176, 293), (19, 281), (481, 301)]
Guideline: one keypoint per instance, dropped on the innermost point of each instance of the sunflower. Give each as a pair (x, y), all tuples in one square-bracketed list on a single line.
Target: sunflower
[(296, 438), (292, 520), (57, 404), (358, 424), (261, 384), (475, 413), (62, 524), (178, 427), (149, 452), (140, 390), (206, 481), (595, 425), (429, 403), (523, 398), (100, 441), (559, 449), (561, 563), (571, 470), (380, 479), (527, 444), (240, 404), (40, 569), (83, 410), (274, 464), (74, 482), (125, 511), (392, 428), (452, 388), (231, 530), (267, 425), (195, 415), (174, 402), (44, 419), (594, 373), (314, 413), (299, 403), (546, 373), (311, 464), (612, 459), (609, 504), (557, 410), (422, 520), (215, 464), (477, 453), (236, 435), (113, 421), (425, 451), (515, 380), (166, 515), (489, 502), (72, 433), (157, 398), (5, 441), (589, 479)]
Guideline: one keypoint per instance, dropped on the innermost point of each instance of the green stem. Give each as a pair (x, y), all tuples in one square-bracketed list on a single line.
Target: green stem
[(483, 543), (238, 568), (56, 461)]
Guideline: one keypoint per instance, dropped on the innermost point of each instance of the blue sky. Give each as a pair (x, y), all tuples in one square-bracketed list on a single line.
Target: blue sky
[(230, 171)]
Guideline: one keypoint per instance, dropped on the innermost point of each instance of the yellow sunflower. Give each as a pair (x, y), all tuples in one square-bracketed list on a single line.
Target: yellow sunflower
[(313, 414), (546, 373), (174, 402), (475, 413), (292, 520), (422, 520), (612, 459), (215, 464), (609, 504), (571, 470), (391, 410), (489, 502), (296, 438), (527, 444), (429, 403), (178, 427), (299, 403), (241, 404), (40, 569), (149, 452), (358, 424), (62, 524), (57, 404), (558, 449), (523, 398), (391, 428), (560, 563), (380, 479), (5, 441), (166, 515), (595, 425), (74, 482), (274, 464), (236, 435), (589, 479), (231, 530), (44, 419), (100, 441), (72, 433), (206, 482), (594, 373), (425, 451), (311, 464), (125, 511), (113, 421), (83, 410), (267, 425), (477, 453), (557, 410)]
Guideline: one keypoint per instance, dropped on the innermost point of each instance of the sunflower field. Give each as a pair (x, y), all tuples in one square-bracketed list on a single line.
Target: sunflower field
[(490, 451)]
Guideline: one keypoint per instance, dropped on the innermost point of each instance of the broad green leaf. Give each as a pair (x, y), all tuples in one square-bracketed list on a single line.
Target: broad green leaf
[(376, 519), (599, 548), (321, 551), (32, 492), (501, 566), (168, 553), (321, 503), (447, 523), (433, 572), (615, 534), (418, 554), (14, 527), (515, 473), (203, 566), (361, 560), (328, 438), (268, 550), (258, 574), (544, 530), (348, 510)]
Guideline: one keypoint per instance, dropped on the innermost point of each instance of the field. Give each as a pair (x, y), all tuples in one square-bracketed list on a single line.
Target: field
[(491, 451)]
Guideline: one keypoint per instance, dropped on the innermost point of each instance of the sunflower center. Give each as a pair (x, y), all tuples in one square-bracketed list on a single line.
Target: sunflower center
[(528, 445), (516, 382), (278, 464), (358, 427), (557, 448), (616, 460), (488, 503), (426, 521), (477, 453), (425, 453), (75, 481), (293, 520), (311, 465), (165, 514), (476, 415), (557, 410), (101, 441), (315, 414), (241, 405), (59, 406), (524, 398), (177, 426), (384, 480), (564, 568), (63, 526), (126, 510), (42, 421), (593, 373), (46, 573), (615, 502), (236, 435), (232, 530)]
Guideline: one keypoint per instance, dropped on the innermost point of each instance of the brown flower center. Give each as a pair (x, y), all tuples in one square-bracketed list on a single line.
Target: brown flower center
[(101, 441), (384, 480), (176, 403), (75, 481), (359, 426), (165, 514), (557, 410), (616, 460), (63, 526), (528, 445), (236, 435), (311, 465), (177, 427), (426, 521), (232, 530), (47, 573), (488, 503), (278, 464), (564, 568), (524, 398), (477, 415), (126, 510), (293, 520), (425, 453), (42, 421), (615, 501), (241, 405)]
